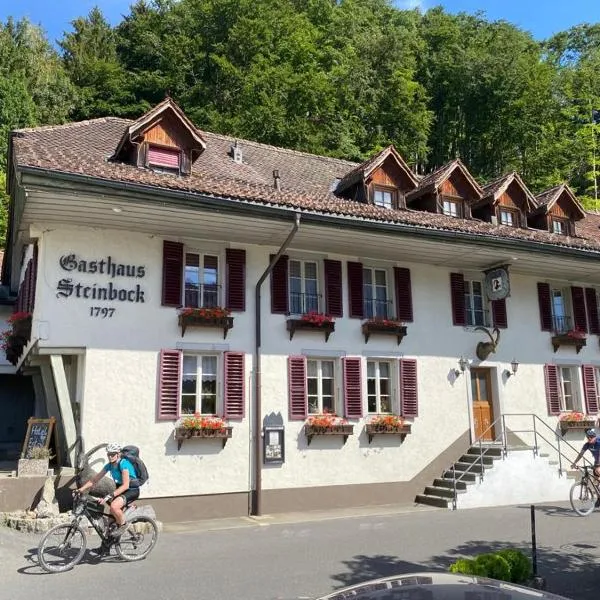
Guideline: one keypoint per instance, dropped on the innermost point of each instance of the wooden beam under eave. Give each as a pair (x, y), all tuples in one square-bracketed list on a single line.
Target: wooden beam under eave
[(64, 403)]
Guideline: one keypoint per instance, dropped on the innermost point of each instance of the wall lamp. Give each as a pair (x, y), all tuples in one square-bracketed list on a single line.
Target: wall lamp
[(514, 365), (463, 363)]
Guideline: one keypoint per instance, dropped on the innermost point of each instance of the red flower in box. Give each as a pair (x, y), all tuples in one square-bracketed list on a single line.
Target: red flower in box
[(325, 421), (18, 316), (317, 318), (578, 334), (198, 421), (215, 312), (572, 417), (381, 322)]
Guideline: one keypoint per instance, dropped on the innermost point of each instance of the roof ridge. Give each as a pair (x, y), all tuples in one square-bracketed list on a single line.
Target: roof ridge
[(71, 124)]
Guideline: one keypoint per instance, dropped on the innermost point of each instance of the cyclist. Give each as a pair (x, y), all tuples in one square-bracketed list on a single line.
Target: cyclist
[(593, 445), (123, 473)]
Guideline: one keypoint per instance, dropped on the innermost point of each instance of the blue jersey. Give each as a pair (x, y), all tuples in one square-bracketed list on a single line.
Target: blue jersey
[(594, 449), (116, 470)]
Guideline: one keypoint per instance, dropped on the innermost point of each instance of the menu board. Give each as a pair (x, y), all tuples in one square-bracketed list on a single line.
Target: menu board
[(39, 434)]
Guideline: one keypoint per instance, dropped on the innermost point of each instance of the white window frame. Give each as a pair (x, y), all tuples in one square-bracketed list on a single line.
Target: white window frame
[(473, 317), (576, 402), (202, 292), (370, 301), (304, 303), (507, 217), (199, 356), (319, 360), (394, 390), (383, 192), (451, 207), (559, 226), (561, 323)]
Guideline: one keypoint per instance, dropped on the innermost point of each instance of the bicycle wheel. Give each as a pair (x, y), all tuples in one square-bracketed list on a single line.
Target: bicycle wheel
[(583, 498), (139, 539), (62, 547)]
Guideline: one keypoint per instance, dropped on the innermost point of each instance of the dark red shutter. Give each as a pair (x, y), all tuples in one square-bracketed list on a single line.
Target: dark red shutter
[(545, 306), (279, 286), (352, 388), (409, 397), (172, 273), (552, 389), (499, 316), (169, 384), (297, 388), (579, 316), (457, 295), (591, 301), (164, 157), (333, 288), (235, 260), (234, 385), (355, 289), (590, 389), (404, 306)]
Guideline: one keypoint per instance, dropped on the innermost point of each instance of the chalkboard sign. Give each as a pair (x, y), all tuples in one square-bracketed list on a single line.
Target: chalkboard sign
[(39, 434)]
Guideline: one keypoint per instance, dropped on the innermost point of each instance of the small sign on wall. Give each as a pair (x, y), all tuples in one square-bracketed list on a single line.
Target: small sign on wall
[(273, 445)]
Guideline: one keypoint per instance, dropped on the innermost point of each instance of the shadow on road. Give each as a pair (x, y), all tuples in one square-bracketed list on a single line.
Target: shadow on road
[(362, 568), (33, 567)]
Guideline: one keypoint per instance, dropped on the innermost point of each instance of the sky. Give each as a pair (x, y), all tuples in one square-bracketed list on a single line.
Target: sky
[(540, 17)]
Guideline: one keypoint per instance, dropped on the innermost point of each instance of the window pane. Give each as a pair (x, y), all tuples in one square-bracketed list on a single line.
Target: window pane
[(370, 369), (310, 270), (188, 405), (327, 387), (384, 369), (209, 365), (188, 384), (311, 368), (295, 268), (312, 386), (327, 368)]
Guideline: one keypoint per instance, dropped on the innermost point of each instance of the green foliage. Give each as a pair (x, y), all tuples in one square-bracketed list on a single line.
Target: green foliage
[(520, 564), (495, 566), (505, 565), (467, 566), (4, 198)]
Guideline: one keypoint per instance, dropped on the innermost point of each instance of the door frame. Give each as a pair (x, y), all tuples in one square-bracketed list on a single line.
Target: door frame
[(492, 389)]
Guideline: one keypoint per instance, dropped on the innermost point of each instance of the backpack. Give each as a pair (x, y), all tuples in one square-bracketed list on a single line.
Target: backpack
[(132, 454)]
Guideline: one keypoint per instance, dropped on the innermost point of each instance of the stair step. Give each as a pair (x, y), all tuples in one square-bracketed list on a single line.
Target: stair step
[(442, 492), (487, 450), (432, 500), (467, 477), (472, 467), (471, 458), (449, 483)]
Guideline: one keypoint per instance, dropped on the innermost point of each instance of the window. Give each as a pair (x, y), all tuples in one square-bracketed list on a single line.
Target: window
[(508, 217), (379, 388), (451, 208), (303, 286), (569, 388), (165, 158), (201, 280), (560, 226), (199, 384), (475, 304), (320, 379), (383, 197), (561, 321), (375, 293)]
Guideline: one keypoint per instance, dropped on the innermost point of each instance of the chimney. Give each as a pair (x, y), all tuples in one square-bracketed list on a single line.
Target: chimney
[(276, 180), (236, 152)]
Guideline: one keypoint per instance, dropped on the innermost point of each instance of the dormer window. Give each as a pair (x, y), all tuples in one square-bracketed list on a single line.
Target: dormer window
[(452, 208), (164, 158), (508, 217), (560, 226), (384, 197)]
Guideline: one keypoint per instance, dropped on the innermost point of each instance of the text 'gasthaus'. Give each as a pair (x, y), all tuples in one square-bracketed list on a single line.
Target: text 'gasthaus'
[(103, 266)]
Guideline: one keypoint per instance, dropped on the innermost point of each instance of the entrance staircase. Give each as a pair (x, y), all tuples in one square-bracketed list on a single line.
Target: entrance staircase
[(534, 457)]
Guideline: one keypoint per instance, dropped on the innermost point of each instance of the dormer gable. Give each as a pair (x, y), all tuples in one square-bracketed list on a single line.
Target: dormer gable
[(163, 139), (450, 190), (557, 210), (506, 201), (383, 180)]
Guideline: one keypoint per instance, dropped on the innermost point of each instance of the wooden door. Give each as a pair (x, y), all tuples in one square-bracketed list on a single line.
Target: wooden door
[(483, 405)]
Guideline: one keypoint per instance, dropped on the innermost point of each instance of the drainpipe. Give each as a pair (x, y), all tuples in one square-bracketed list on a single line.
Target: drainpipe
[(257, 490)]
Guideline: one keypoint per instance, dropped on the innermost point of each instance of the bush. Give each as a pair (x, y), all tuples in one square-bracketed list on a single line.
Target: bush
[(467, 566), (506, 565), (520, 564), (495, 566)]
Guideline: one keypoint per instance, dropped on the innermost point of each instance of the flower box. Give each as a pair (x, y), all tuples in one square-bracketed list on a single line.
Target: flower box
[(574, 339), (372, 429), (183, 433), (567, 425), (293, 325), (344, 429), (197, 320), (384, 327)]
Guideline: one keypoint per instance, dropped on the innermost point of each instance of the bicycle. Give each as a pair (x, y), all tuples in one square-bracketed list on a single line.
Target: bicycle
[(63, 546), (585, 493)]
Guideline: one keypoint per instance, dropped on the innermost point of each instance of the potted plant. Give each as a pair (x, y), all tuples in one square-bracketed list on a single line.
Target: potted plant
[(201, 426), (12, 345), (574, 420), (215, 316), (36, 463), (573, 337), (20, 322), (327, 423), (386, 424), (383, 326), (314, 321)]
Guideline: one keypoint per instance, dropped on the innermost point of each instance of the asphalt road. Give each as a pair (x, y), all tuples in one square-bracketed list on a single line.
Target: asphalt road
[(303, 557)]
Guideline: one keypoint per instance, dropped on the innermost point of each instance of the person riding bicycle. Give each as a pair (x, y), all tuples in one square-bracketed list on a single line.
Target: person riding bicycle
[(593, 445), (123, 474)]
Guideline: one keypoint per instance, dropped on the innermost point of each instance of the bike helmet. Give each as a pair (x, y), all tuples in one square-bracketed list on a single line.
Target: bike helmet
[(113, 447), (590, 433)]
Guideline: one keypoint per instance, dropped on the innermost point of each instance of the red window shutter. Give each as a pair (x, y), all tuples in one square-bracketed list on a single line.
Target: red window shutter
[(590, 389), (355, 289), (279, 286), (169, 384), (352, 388), (172, 273), (552, 389), (234, 403), (409, 398), (333, 288), (164, 157), (591, 302), (579, 316), (499, 316), (404, 306), (297, 388), (545, 306), (457, 295), (235, 260)]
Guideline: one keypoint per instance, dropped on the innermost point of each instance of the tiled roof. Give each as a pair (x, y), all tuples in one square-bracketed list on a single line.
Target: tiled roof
[(306, 180), (493, 189), (547, 198)]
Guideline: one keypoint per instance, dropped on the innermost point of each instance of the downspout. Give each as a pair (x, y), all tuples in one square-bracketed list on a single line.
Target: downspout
[(255, 508)]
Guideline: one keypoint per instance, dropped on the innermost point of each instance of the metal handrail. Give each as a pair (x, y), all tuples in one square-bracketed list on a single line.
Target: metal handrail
[(502, 438)]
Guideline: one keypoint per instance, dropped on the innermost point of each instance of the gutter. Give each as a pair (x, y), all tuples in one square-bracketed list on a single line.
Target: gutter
[(256, 500)]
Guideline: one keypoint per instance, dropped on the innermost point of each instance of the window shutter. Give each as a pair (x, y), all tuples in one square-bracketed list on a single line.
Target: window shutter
[(404, 306), (297, 388), (409, 399), (164, 157), (579, 316), (333, 288), (499, 316), (545, 306), (279, 286), (352, 388), (169, 384), (172, 273), (235, 260), (552, 389), (234, 385), (591, 301), (457, 294), (355, 289), (590, 389)]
